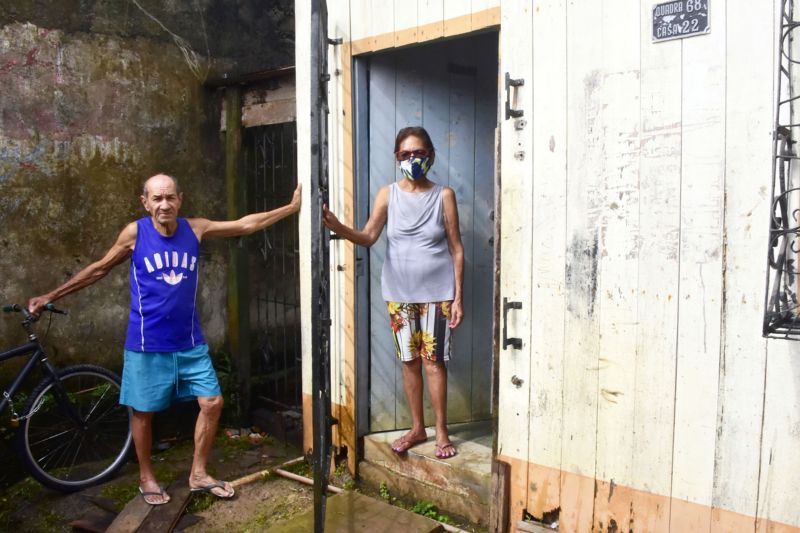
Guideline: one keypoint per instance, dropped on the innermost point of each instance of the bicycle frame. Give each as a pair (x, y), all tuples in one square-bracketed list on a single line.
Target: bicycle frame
[(38, 357)]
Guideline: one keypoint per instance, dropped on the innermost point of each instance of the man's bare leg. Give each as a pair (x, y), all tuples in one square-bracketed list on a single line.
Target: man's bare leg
[(204, 432), (437, 388), (412, 384), (142, 429)]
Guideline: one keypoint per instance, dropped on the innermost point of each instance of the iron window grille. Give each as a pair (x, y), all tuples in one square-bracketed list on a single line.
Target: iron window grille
[(781, 319)]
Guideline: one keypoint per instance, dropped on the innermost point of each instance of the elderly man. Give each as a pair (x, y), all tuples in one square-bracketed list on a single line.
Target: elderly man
[(166, 357)]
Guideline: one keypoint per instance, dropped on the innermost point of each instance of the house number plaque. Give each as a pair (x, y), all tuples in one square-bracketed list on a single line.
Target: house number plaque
[(679, 19)]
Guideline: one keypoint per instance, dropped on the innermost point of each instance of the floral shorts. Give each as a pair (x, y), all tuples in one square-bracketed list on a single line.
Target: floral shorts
[(420, 330)]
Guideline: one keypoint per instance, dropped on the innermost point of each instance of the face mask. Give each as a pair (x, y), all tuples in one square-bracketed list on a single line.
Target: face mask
[(415, 167)]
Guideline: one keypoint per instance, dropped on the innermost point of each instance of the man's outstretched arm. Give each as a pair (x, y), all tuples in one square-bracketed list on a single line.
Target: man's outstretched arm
[(247, 224), (118, 253)]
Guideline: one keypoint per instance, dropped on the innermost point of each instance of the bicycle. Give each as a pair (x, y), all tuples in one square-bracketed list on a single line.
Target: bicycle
[(72, 432)]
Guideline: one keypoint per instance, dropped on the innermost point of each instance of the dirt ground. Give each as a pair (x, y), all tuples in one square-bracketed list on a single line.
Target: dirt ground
[(26, 506), (257, 507)]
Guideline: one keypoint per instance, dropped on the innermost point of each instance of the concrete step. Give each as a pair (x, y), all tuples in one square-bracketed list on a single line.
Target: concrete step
[(460, 485)]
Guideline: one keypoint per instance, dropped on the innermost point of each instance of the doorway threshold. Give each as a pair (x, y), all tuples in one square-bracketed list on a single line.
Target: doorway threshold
[(459, 485)]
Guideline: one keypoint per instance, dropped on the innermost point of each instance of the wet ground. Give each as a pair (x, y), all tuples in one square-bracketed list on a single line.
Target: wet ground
[(26, 506), (262, 504)]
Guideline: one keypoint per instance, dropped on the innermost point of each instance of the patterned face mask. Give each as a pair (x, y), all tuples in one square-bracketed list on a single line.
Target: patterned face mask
[(415, 167)]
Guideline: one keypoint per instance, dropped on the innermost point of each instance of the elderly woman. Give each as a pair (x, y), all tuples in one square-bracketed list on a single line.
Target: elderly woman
[(421, 278)]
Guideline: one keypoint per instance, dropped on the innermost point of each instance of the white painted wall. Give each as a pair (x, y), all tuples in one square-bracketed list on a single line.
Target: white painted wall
[(634, 232), (658, 154)]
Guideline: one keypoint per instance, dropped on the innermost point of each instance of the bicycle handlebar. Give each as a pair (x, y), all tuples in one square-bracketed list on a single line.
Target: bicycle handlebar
[(16, 308)]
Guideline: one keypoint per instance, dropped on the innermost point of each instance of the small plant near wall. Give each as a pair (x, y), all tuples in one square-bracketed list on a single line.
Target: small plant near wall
[(383, 490), (428, 509)]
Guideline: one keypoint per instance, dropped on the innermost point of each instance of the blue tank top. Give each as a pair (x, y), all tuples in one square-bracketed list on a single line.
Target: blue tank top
[(164, 272)]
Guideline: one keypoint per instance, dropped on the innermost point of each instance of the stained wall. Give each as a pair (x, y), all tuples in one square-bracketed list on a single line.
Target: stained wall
[(95, 97)]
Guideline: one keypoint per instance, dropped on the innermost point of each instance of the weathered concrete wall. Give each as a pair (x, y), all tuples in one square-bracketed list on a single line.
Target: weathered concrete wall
[(95, 97)]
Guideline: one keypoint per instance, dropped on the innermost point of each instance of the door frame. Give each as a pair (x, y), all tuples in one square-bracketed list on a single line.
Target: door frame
[(361, 154)]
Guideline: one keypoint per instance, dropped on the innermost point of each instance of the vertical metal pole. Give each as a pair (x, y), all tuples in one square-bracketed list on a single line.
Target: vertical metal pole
[(320, 322), (238, 308)]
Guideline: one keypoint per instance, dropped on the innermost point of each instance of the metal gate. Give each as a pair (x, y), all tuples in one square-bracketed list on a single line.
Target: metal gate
[(269, 163)]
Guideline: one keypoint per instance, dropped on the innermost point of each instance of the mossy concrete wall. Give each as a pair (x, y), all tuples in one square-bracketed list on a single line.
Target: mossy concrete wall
[(94, 98)]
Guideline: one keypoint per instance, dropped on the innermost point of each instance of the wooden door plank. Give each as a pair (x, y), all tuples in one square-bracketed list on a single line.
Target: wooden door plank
[(384, 365), (457, 17), (657, 302), (361, 25), (430, 19), (581, 350), (341, 196), (615, 136), (382, 24), (483, 224), (700, 296), (516, 196), (462, 76), (748, 127), (548, 255), (484, 13), (780, 445), (409, 73), (435, 95), (405, 22)]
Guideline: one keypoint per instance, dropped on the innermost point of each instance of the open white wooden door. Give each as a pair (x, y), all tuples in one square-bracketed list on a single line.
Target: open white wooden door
[(516, 217)]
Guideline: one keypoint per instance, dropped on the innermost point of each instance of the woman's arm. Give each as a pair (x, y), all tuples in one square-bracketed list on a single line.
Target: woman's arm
[(372, 229), (456, 251)]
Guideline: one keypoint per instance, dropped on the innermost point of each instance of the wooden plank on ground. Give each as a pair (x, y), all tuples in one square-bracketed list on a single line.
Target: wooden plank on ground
[(164, 518), (131, 516), (94, 520)]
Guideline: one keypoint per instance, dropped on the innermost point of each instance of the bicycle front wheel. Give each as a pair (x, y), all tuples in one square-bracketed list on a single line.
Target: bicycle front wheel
[(71, 447)]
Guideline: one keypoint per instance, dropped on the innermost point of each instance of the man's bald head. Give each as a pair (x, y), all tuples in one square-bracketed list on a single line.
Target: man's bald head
[(159, 181), (162, 199)]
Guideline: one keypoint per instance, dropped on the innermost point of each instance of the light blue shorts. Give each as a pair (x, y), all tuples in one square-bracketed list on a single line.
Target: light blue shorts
[(152, 381)]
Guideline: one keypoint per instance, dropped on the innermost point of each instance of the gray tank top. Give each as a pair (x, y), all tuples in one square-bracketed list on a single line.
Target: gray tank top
[(418, 267)]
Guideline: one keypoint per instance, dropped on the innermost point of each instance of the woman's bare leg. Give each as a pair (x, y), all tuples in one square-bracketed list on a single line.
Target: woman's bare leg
[(437, 388), (412, 383)]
